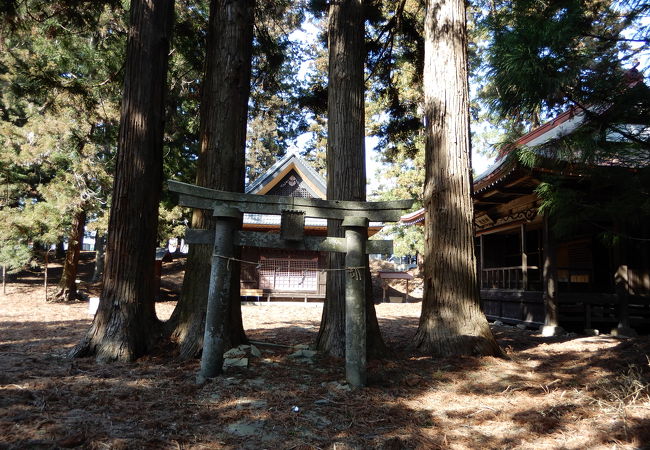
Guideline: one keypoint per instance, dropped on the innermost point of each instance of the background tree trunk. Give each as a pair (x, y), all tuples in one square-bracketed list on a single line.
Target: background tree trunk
[(68, 282), (124, 324), (346, 164), (60, 252), (452, 322), (224, 114), (45, 269), (100, 247)]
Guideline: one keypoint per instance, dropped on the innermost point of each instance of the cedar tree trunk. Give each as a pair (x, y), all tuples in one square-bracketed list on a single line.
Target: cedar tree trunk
[(123, 328), (224, 113), (346, 165), (452, 322), (68, 283)]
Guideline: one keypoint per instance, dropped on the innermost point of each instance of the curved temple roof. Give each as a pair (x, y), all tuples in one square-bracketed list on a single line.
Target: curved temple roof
[(564, 124)]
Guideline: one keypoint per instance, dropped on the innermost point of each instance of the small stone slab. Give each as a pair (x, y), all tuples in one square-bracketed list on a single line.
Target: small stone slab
[(250, 403), (334, 386), (255, 352), (234, 353), (235, 362), (317, 420), (257, 382), (246, 428), (304, 354), (412, 380)]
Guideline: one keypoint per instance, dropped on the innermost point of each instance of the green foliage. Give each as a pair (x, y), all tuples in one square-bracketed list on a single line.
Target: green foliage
[(59, 92), (603, 197), (276, 114), (611, 153), (545, 55), (61, 68), (181, 139), (407, 239), (172, 224), (395, 47), (14, 255), (404, 179)]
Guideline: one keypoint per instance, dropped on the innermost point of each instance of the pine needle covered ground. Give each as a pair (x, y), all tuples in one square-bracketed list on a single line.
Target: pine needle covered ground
[(570, 392)]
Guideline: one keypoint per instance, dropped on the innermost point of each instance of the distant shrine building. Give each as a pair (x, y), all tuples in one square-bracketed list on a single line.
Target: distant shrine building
[(598, 285), (287, 274)]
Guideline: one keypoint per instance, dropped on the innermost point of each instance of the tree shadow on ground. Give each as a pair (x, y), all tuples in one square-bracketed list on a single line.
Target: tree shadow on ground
[(412, 401)]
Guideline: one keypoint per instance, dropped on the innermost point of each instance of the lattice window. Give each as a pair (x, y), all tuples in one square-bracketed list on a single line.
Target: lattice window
[(580, 255), (289, 274), (291, 186)]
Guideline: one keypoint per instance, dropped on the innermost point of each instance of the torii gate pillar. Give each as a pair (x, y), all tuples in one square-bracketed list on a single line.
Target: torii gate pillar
[(356, 235), (226, 222)]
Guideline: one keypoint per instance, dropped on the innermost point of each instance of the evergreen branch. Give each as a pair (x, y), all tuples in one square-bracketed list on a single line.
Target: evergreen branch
[(45, 19), (615, 39), (391, 28), (592, 115), (618, 233), (627, 135), (112, 76)]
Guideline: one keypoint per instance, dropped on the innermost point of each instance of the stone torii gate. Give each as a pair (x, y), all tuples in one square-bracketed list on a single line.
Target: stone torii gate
[(227, 209)]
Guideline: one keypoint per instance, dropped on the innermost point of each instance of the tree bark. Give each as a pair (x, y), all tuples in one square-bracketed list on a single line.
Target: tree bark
[(125, 321), (224, 113), (68, 282), (346, 165), (452, 322)]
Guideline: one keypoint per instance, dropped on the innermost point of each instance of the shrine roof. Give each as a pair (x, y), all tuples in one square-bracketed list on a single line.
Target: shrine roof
[(269, 179)]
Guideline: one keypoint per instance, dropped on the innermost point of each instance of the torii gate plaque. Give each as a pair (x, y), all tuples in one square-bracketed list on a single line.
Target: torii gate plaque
[(227, 209)]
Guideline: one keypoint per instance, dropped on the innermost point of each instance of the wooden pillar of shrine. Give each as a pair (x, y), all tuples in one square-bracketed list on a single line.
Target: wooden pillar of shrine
[(551, 319)]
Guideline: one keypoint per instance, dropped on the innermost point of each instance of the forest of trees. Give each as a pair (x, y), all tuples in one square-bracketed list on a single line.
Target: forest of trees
[(101, 101)]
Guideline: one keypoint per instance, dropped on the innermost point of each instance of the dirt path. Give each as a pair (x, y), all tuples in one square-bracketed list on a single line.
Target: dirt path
[(572, 392)]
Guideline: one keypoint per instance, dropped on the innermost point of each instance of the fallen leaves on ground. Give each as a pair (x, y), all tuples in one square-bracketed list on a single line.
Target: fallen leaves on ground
[(568, 392)]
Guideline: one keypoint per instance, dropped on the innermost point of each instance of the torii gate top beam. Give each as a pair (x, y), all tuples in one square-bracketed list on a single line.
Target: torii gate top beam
[(205, 198)]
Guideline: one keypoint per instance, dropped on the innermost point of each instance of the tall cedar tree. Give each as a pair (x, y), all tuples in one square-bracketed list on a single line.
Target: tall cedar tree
[(346, 170), (451, 322), (224, 109), (124, 324)]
